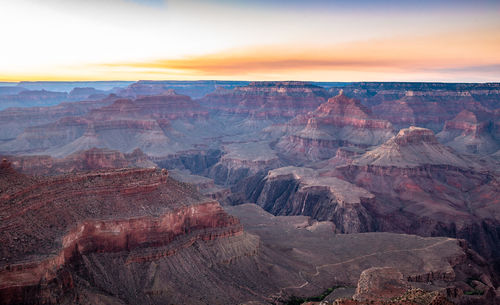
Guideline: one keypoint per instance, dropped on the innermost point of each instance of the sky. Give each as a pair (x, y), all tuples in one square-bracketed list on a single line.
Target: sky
[(316, 40)]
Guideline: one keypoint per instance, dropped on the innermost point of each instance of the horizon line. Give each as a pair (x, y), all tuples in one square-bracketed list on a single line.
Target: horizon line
[(248, 80)]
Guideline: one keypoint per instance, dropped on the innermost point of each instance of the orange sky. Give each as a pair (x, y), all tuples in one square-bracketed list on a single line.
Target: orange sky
[(127, 40)]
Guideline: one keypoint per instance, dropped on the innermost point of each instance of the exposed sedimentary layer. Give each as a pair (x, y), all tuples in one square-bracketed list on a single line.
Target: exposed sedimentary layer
[(92, 159), (341, 121), (267, 99), (301, 191), (432, 264), (48, 223)]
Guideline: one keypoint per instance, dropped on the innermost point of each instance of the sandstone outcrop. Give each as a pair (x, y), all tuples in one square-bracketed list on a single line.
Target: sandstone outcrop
[(428, 109), (427, 264), (241, 160), (13, 121), (50, 224), (426, 188), (341, 121), (470, 133), (124, 125), (267, 99), (301, 191), (380, 283), (92, 159)]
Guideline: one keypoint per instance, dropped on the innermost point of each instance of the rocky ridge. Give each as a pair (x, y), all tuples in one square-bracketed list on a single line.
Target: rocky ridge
[(267, 99), (92, 159), (98, 212), (470, 133), (341, 121)]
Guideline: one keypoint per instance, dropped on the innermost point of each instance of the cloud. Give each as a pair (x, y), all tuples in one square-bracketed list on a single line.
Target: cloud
[(447, 53)]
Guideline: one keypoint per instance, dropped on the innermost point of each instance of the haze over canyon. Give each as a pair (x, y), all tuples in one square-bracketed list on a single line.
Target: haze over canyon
[(236, 192)]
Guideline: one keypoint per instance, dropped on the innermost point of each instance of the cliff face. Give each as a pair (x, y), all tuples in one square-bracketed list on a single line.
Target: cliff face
[(426, 108), (267, 99), (340, 121), (92, 159), (141, 212), (439, 266), (471, 133), (300, 191), (168, 105), (241, 160), (13, 121), (411, 184), (124, 125), (30, 98), (86, 93), (425, 188)]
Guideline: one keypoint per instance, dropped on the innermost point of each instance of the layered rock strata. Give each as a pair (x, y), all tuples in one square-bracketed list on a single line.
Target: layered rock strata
[(92, 159), (340, 121), (267, 99), (426, 188), (471, 133), (119, 211)]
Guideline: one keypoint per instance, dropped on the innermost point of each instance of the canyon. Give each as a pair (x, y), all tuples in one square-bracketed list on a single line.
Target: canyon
[(220, 192)]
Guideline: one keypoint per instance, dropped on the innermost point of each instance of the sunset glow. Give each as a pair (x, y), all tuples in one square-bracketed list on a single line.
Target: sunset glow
[(250, 40)]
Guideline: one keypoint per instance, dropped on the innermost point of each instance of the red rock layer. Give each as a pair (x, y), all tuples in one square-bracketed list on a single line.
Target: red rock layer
[(167, 106), (14, 120), (267, 99), (47, 223), (341, 121), (423, 187), (471, 132), (92, 159), (426, 108)]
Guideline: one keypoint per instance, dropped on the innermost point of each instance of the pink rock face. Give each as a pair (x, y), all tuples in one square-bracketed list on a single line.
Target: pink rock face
[(268, 99), (125, 125), (471, 132), (13, 121), (92, 159), (87, 93), (32, 98), (142, 89), (411, 136), (428, 189), (380, 283), (168, 106), (97, 213), (341, 121), (426, 108)]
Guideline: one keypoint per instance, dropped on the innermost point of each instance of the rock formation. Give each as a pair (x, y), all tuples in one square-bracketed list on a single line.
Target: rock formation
[(50, 224), (30, 98), (380, 283), (471, 133), (124, 125), (13, 121), (426, 108), (341, 121), (434, 266), (267, 99), (95, 233), (204, 185), (241, 160), (300, 191), (424, 187), (86, 93), (92, 159)]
